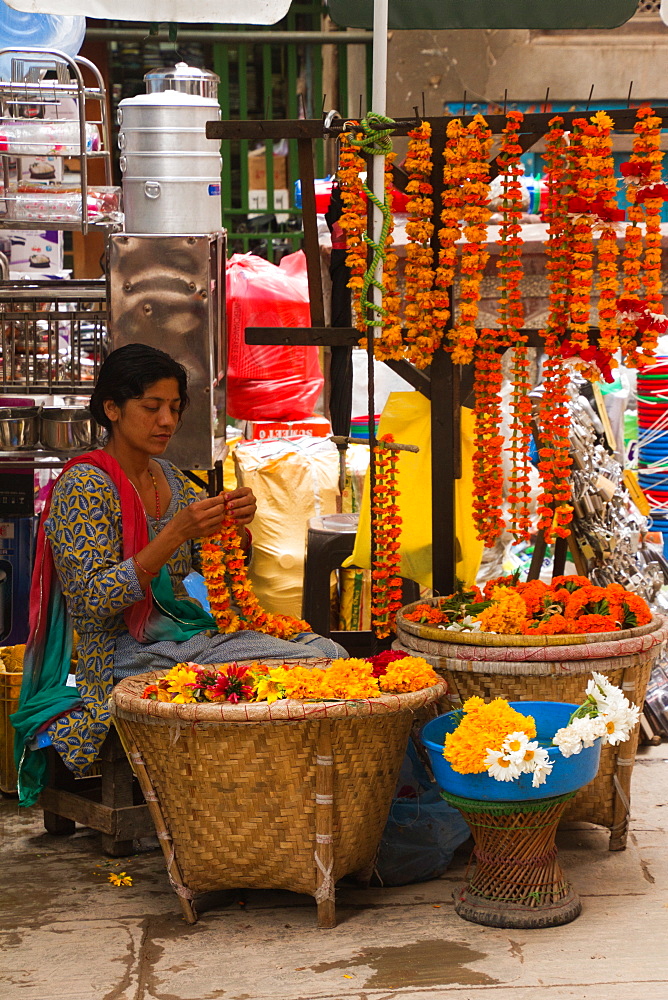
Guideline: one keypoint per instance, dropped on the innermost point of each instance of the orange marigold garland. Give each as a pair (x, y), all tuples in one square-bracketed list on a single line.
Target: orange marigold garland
[(419, 298), (230, 591), (389, 346), (450, 231), (554, 508), (511, 318), (476, 143), (488, 454), (634, 172), (386, 530), (598, 143), (581, 179), (353, 222)]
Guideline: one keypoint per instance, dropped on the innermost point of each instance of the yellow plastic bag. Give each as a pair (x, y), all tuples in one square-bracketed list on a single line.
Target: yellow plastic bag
[(407, 416)]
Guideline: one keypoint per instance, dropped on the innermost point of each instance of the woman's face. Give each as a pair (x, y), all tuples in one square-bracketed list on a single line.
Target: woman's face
[(147, 424)]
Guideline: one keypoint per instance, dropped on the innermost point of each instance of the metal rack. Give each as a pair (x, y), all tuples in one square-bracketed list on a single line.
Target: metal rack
[(53, 336), (30, 98)]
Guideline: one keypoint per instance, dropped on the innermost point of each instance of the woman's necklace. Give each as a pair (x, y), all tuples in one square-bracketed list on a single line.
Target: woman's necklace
[(157, 496)]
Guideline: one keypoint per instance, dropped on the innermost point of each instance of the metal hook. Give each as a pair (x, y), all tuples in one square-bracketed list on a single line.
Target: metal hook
[(589, 98), (628, 98), (505, 100), (547, 94), (424, 108), (417, 114), (464, 106)]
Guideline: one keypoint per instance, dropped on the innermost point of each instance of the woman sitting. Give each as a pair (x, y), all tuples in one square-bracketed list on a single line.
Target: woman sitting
[(118, 536)]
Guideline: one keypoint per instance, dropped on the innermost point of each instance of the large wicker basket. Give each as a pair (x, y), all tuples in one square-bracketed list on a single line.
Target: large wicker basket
[(550, 668), (292, 795)]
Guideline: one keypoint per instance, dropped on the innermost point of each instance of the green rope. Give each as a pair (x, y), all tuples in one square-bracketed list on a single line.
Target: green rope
[(504, 808), (375, 141)]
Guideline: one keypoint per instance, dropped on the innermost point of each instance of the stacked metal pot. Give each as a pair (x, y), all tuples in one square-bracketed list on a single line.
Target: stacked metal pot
[(171, 171)]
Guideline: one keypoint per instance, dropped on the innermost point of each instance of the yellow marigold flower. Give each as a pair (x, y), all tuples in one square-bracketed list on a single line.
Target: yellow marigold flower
[(483, 728), (268, 688), (351, 678), (177, 681), (411, 673), (122, 879), (506, 615)]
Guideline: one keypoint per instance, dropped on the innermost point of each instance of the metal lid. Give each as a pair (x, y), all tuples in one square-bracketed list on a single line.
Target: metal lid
[(187, 79)]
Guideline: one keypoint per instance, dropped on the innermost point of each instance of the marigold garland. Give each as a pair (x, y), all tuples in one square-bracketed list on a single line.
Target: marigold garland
[(452, 208), (353, 222), (582, 243), (231, 598), (483, 726), (511, 319), (419, 298), (475, 146), (598, 144), (489, 441), (386, 584), (554, 508)]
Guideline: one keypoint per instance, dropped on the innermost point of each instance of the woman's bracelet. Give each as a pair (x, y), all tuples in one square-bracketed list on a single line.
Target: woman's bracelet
[(143, 568)]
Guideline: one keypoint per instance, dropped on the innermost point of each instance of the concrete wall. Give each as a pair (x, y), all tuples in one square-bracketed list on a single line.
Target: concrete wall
[(443, 64)]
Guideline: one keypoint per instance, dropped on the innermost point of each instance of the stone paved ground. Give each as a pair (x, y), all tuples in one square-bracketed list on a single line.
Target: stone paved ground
[(67, 934)]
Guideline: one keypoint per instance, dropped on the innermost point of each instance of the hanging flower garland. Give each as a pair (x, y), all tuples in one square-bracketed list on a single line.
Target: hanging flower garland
[(419, 300), (353, 222), (511, 319), (450, 231), (389, 346), (489, 442), (597, 142), (233, 603), (386, 531), (643, 319), (554, 508), (476, 143), (581, 179)]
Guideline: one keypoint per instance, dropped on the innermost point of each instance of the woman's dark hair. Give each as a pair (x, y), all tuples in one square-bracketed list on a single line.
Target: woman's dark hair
[(128, 372)]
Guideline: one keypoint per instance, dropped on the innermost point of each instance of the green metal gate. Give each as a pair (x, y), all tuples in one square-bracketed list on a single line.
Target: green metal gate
[(270, 80)]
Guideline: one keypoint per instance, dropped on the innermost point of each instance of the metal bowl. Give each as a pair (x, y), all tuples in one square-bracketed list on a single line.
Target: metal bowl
[(19, 427), (67, 428)]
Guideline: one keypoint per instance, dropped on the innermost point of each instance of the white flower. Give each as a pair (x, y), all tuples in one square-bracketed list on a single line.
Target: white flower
[(539, 763), (580, 733), (500, 767), (514, 748), (618, 722), (603, 692)]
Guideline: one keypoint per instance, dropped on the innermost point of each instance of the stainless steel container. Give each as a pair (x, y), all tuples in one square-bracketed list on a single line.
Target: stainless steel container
[(169, 189), (188, 79), (167, 111), (67, 428), (19, 427), (190, 165)]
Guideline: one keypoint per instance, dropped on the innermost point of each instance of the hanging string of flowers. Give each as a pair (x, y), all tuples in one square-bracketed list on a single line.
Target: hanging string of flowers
[(386, 530), (597, 142), (419, 274), (390, 343), (451, 212), (353, 222), (489, 442), (511, 319), (643, 320), (554, 508), (476, 143), (580, 178), (231, 598)]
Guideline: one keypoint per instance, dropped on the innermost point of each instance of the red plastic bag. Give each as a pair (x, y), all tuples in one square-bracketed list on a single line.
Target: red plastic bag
[(266, 382)]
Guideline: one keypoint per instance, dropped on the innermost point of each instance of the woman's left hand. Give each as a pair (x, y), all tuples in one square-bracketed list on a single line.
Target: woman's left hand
[(241, 504)]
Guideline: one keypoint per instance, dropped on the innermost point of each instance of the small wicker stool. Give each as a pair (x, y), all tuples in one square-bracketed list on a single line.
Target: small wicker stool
[(517, 880)]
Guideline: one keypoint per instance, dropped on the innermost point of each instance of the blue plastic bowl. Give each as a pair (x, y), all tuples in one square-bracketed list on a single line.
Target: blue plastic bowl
[(568, 773)]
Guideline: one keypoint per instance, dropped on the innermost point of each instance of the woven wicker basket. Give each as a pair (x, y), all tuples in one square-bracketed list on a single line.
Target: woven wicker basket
[(292, 795), (547, 668)]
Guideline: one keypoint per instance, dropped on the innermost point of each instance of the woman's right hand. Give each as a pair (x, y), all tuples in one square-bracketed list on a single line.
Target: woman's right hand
[(199, 519)]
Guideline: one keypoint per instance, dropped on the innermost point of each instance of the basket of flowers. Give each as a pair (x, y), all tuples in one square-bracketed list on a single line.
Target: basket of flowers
[(536, 641), (511, 768), (271, 775)]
